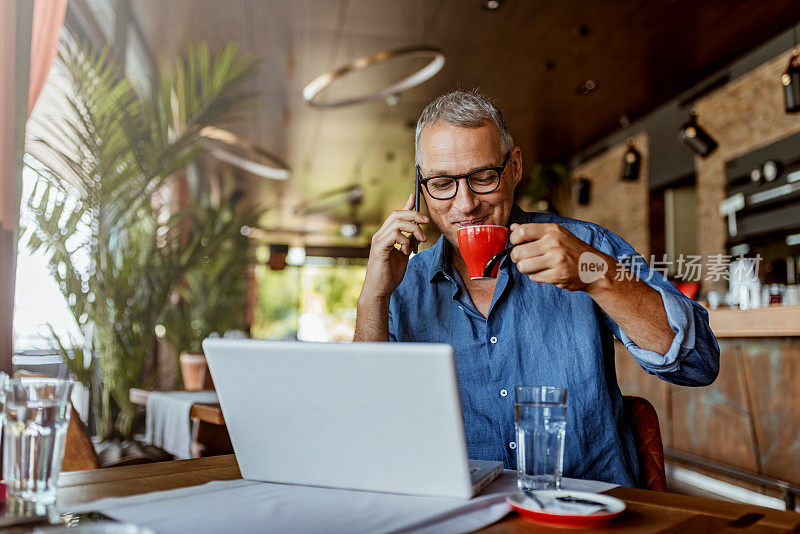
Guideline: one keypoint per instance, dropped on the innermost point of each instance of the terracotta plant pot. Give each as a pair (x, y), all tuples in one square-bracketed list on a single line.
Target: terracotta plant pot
[(194, 371)]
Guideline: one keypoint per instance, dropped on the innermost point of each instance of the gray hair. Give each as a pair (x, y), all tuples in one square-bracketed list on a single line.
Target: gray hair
[(468, 109)]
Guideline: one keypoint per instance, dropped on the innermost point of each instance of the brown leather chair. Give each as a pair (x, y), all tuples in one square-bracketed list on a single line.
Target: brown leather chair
[(79, 451), (643, 421)]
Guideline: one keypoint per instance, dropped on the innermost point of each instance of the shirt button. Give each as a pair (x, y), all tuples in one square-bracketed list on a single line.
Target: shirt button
[(503, 393), (512, 445), (493, 340)]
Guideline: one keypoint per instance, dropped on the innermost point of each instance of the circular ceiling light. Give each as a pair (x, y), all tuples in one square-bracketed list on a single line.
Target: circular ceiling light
[(322, 82), (230, 148)]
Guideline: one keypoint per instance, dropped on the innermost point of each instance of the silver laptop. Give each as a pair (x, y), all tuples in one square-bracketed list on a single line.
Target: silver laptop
[(369, 416)]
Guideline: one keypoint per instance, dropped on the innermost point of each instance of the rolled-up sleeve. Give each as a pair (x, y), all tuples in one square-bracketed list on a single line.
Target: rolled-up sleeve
[(693, 357)]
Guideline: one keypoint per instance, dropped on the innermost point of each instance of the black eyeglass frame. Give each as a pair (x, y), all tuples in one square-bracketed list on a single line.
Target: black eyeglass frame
[(500, 170)]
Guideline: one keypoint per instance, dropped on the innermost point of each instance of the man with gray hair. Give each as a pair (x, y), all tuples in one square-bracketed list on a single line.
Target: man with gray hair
[(538, 322)]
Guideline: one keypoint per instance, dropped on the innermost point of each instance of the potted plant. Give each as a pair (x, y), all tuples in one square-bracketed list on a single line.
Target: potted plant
[(212, 297), (102, 211), (545, 184)]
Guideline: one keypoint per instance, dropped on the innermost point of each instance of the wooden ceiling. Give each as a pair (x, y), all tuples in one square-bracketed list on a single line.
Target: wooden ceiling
[(530, 56)]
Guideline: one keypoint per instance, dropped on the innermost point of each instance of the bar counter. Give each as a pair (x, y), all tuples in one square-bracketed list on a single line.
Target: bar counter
[(772, 321), (749, 418)]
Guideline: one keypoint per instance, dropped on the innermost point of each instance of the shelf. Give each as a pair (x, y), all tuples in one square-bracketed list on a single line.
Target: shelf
[(773, 321)]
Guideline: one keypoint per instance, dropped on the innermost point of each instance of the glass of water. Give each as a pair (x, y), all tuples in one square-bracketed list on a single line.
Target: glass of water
[(3, 378), (540, 415), (37, 413)]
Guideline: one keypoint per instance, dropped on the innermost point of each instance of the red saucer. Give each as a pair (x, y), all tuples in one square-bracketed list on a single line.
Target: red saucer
[(530, 510)]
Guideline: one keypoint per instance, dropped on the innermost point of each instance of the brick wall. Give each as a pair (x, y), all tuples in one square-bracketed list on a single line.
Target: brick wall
[(744, 115), (617, 204), (739, 420)]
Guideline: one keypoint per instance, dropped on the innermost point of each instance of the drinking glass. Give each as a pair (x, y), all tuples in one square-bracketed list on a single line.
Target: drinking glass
[(3, 378), (540, 414), (37, 413)]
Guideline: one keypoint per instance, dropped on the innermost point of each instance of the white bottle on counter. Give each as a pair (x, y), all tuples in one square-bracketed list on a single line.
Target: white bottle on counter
[(755, 294)]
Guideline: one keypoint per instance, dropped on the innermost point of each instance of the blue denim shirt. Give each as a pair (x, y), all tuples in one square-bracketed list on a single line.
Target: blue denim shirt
[(538, 334)]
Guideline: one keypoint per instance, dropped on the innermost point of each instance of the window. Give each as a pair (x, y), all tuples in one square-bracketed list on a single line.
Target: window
[(313, 302), (38, 301)]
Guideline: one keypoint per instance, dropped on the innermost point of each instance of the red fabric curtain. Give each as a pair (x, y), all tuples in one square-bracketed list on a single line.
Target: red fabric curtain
[(48, 18)]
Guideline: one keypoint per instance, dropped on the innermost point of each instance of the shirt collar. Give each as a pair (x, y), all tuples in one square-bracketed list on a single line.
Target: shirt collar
[(441, 266), (440, 263)]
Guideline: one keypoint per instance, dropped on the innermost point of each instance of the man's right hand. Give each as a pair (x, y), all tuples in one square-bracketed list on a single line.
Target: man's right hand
[(387, 265)]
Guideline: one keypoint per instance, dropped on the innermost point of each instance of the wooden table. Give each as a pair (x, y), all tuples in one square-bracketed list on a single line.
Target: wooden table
[(647, 511), (207, 413), (209, 433)]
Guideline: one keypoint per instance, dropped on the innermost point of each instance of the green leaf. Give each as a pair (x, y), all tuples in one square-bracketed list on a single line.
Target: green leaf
[(114, 150)]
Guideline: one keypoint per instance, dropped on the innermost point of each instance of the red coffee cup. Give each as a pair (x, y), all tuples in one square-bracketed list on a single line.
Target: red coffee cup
[(478, 244)]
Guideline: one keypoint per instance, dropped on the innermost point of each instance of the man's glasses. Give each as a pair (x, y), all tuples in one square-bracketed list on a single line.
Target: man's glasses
[(481, 182)]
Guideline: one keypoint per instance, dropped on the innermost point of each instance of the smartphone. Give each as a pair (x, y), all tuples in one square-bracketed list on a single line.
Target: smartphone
[(414, 242)]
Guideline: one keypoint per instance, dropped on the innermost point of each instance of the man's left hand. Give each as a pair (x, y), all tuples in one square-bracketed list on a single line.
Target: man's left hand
[(550, 253)]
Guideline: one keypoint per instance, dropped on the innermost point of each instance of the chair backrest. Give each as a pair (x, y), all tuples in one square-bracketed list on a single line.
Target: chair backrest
[(79, 452), (643, 421)]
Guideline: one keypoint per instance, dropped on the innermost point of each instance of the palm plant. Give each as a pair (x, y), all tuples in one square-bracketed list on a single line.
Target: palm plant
[(546, 182), (102, 209), (211, 297)]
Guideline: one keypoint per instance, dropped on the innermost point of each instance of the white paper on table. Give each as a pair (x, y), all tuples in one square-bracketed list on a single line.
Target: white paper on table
[(248, 506), (167, 419)]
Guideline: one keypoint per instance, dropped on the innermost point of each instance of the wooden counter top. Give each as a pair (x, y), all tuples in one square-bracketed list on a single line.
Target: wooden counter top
[(772, 321)]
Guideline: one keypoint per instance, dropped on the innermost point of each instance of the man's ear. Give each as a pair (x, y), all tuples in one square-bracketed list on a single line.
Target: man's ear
[(516, 157)]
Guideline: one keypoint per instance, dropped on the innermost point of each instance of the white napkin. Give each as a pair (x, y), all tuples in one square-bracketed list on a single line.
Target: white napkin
[(167, 419), (248, 506), (555, 506)]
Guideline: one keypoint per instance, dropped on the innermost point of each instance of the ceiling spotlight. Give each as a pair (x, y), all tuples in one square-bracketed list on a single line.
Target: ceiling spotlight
[(791, 85), (771, 169), (582, 31), (696, 138), (585, 88), (491, 5), (631, 162)]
